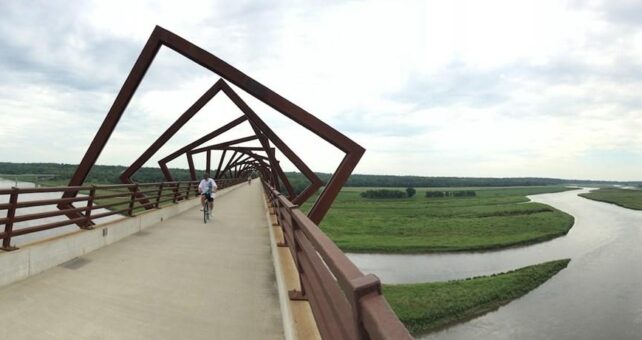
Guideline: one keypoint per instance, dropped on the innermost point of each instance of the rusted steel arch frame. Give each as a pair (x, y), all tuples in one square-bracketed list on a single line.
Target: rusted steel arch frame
[(162, 37), (190, 160), (233, 168), (236, 167), (247, 151), (222, 146), (265, 135), (253, 119), (256, 166), (232, 160), (261, 171), (219, 146), (230, 148), (125, 177), (248, 169), (163, 162), (227, 144), (251, 162), (248, 155), (261, 168), (263, 129)]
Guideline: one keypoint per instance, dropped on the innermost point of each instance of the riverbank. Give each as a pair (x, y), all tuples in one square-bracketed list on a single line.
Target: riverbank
[(495, 218), (596, 297), (426, 307), (626, 198)]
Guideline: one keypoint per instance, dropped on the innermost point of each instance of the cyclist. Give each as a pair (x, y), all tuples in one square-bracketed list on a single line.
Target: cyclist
[(206, 188)]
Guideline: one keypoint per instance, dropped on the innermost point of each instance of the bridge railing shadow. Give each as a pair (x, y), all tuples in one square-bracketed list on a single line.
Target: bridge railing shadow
[(108, 200), (346, 304)]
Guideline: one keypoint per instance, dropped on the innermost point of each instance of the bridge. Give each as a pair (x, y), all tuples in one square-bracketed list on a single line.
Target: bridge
[(139, 261)]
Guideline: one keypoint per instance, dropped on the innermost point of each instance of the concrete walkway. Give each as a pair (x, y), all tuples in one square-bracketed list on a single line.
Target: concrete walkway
[(181, 279)]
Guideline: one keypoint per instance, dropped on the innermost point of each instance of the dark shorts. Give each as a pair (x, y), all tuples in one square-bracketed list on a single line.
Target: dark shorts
[(208, 197)]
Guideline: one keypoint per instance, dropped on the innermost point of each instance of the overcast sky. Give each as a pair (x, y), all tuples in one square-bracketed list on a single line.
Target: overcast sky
[(433, 88)]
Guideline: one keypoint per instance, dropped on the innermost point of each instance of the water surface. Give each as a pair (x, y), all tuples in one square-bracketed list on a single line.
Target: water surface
[(599, 295), (28, 238)]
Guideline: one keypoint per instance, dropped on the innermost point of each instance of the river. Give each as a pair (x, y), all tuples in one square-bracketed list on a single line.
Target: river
[(599, 295)]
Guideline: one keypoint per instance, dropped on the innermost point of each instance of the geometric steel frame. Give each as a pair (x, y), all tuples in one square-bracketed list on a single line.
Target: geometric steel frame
[(246, 161), (163, 162), (243, 150), (248, 151), (230, 167), (221, 146), (162, 37), (262, 130)]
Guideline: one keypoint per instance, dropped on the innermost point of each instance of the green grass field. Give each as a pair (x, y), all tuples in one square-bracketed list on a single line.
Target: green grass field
[(426, 307), (627, 198), (495, 218)]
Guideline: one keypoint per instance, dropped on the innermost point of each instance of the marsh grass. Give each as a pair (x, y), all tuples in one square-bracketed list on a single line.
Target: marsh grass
[(626, 198), (426, 307), (495, 218)]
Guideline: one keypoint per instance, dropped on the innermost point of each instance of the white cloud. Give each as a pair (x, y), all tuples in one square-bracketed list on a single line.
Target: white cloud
[(493, 88)]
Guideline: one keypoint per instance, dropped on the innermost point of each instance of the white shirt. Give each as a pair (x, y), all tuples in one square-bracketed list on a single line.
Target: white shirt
[(207, 185)]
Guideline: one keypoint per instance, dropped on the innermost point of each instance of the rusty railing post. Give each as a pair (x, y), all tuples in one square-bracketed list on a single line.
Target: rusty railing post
[(132, 200), (176, 192), (362, 286), (294, 294), (160, 192), (189, 187), (11, 214), (90, 204)]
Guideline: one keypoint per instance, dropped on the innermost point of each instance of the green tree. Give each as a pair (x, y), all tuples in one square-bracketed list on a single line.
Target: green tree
[(411, 191)]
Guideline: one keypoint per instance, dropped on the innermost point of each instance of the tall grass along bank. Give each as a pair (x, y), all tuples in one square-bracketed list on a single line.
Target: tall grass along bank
[(426, 307), (493, 218), (626, 198)]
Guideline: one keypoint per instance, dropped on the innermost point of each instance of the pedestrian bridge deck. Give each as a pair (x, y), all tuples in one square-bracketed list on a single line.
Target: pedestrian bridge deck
[(180, 279)]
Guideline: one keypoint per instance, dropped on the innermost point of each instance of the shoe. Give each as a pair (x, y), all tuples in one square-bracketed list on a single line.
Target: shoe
[(201, 209)]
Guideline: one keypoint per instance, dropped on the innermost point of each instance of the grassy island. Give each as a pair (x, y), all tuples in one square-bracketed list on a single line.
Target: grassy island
[(626, 198), (426, 307), (493, 218)]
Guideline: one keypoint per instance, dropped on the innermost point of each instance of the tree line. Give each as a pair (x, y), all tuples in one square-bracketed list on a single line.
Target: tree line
[(99, 174), (109, 174)]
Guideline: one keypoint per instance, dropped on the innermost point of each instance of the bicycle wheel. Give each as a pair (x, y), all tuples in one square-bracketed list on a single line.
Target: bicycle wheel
[(206, 212)]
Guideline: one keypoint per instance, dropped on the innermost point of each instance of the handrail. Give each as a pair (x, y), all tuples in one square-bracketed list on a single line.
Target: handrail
[(346, 304), (128, 196)]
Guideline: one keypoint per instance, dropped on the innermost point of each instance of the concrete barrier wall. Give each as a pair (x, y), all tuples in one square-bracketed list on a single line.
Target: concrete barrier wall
[(39, 256)]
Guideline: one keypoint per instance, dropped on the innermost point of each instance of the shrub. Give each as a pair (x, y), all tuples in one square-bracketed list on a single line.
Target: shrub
[(468, 193), (411, 192), (383, 193), (463, 193), (435, 194)]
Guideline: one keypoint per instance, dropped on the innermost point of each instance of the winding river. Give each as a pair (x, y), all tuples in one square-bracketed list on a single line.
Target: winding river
[(599, 295)]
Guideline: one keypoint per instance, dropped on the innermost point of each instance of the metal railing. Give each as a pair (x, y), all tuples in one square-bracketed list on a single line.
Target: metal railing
[(124, 199), (346, 303)]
